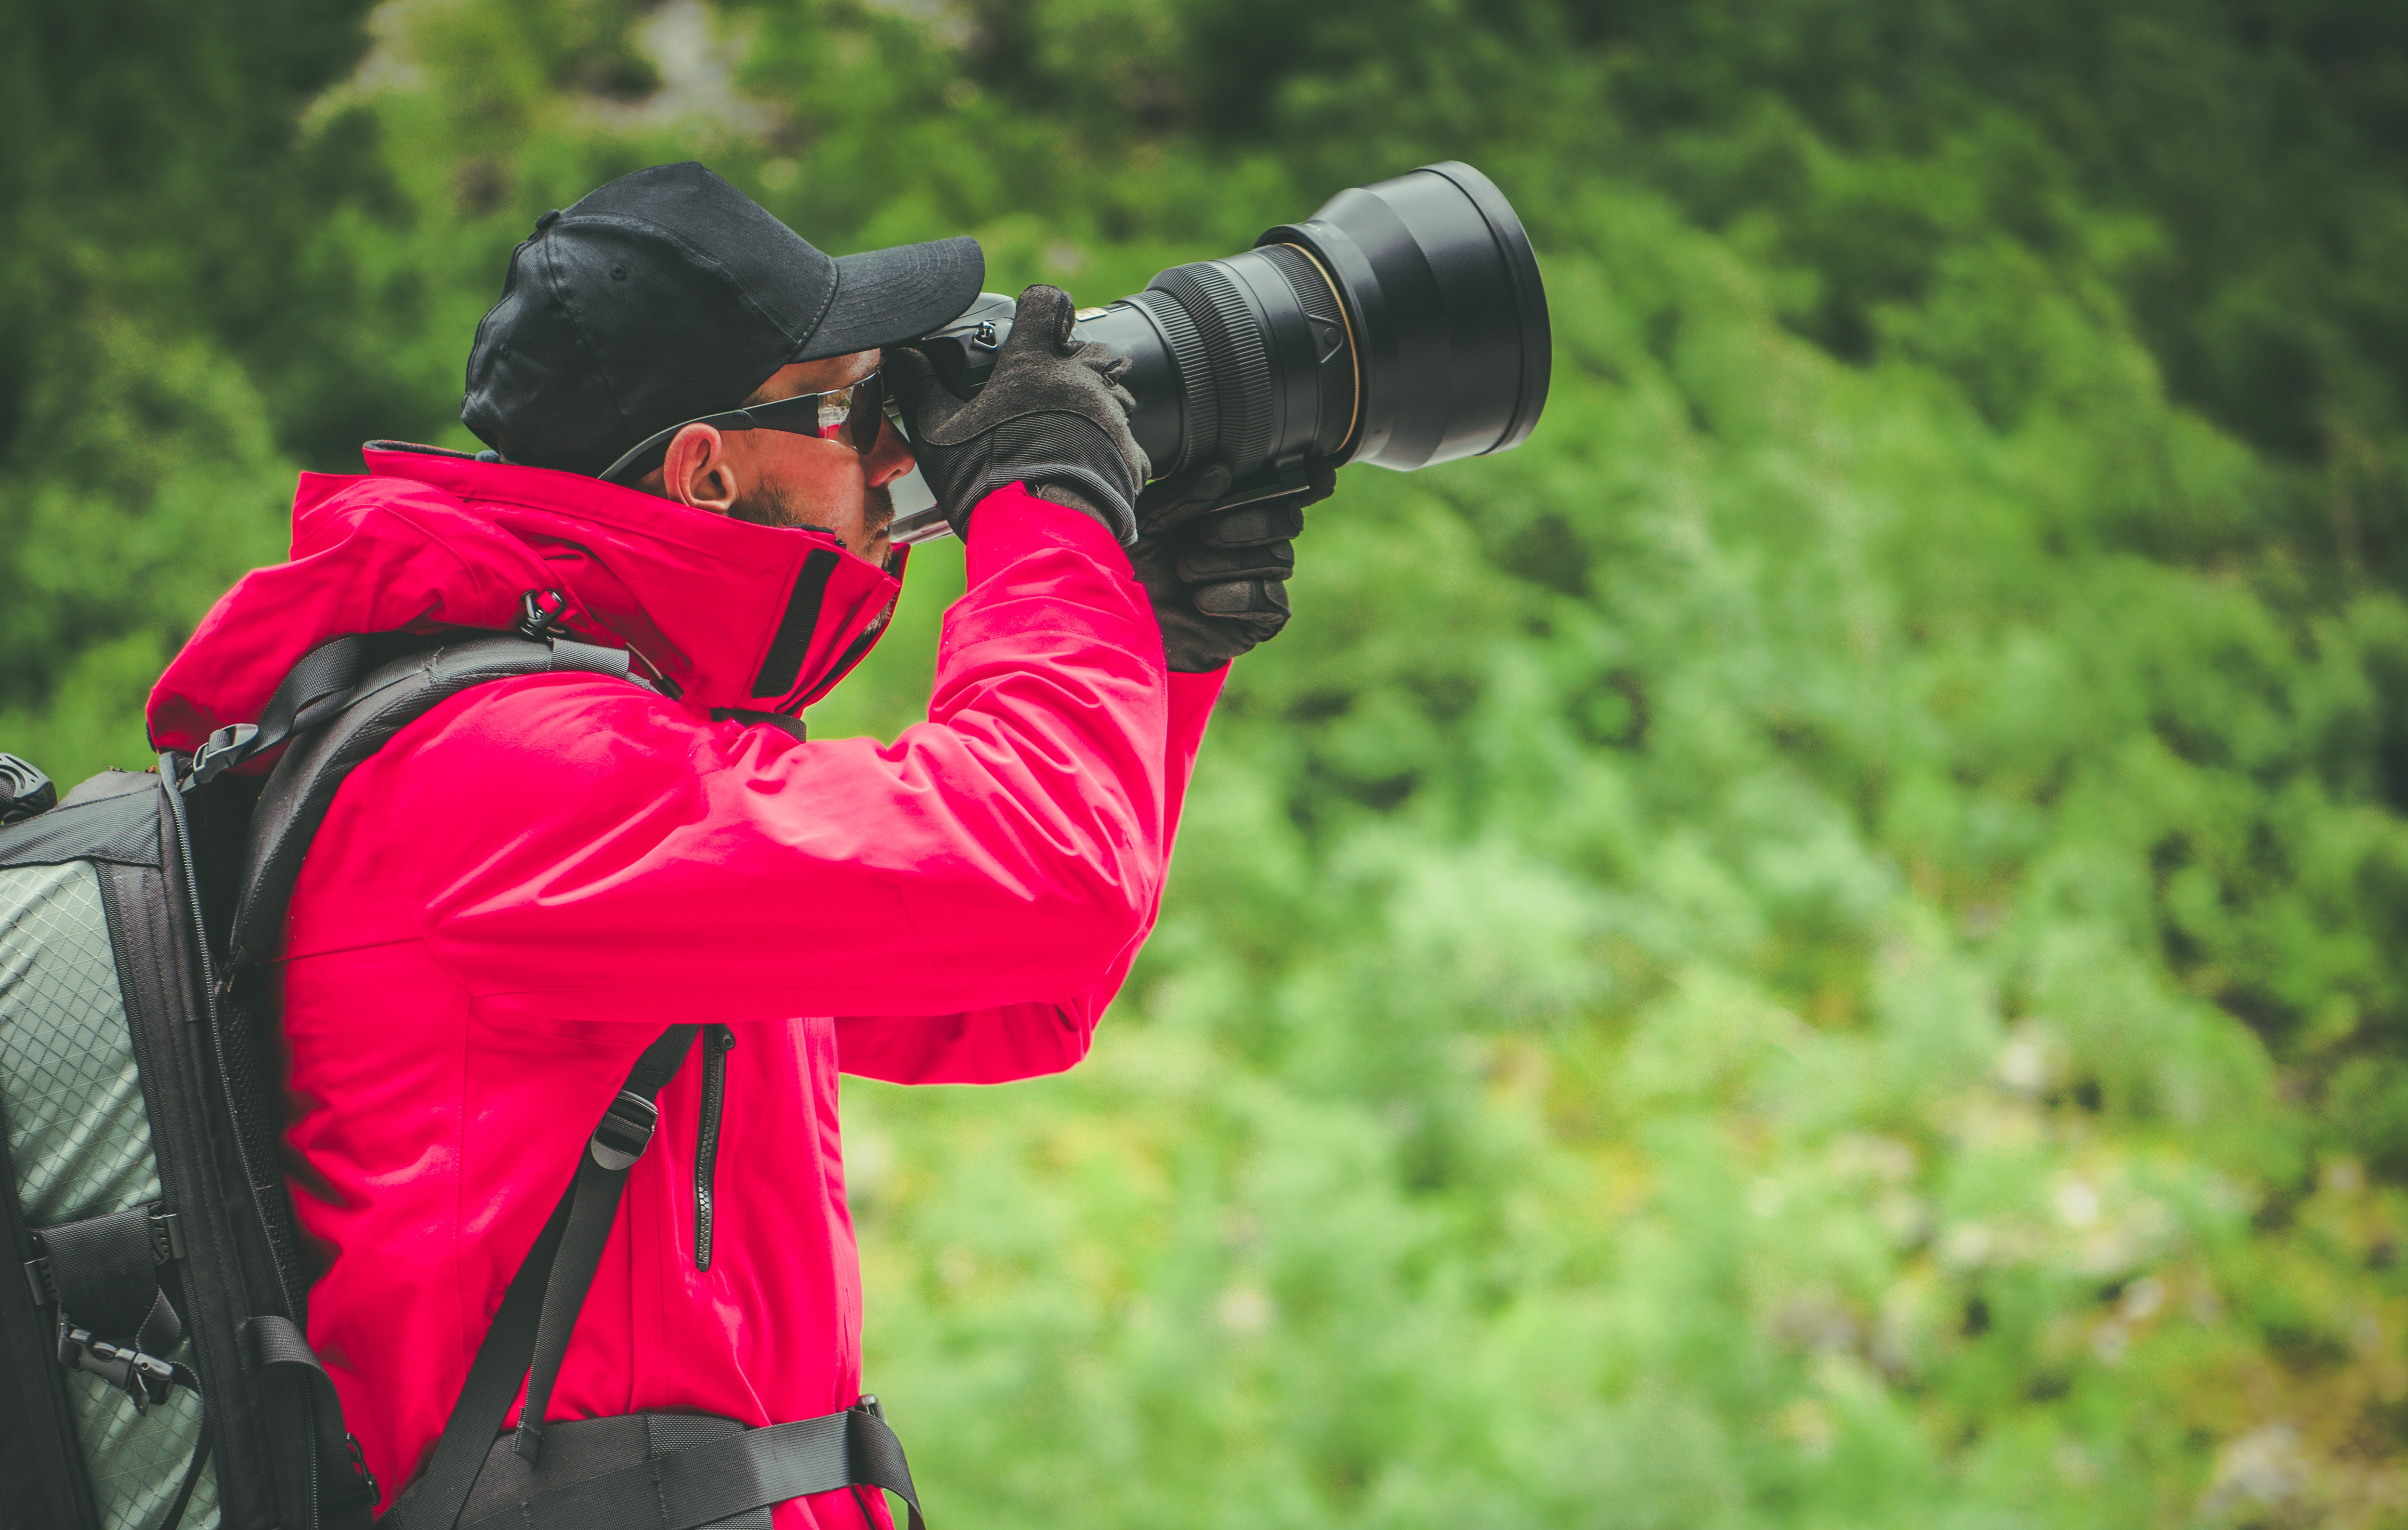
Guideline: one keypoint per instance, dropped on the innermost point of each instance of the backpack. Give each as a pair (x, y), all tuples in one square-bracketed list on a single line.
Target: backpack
[(154, 1367)]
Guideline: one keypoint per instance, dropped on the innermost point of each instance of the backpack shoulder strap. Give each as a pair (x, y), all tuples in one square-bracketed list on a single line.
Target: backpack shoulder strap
[(302, 785), (539, 1308), (330, 717)]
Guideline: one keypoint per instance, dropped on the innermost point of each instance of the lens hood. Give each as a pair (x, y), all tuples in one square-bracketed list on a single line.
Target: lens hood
[(1448, 314)]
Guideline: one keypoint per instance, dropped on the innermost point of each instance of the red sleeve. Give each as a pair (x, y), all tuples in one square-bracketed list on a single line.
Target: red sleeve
[(571, 846), (1025, 1040)]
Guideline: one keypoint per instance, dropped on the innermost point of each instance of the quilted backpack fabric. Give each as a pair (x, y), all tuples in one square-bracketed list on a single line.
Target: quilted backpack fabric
[(79, 1137)]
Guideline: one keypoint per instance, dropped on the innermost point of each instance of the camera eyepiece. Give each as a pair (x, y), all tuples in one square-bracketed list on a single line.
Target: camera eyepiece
[(1403, 324)]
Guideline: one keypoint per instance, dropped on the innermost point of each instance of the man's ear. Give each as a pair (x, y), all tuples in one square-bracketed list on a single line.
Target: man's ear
[(697, 471)]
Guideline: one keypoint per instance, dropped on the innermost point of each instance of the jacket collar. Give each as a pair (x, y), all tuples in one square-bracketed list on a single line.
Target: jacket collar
[(733, 614), (730, 615)]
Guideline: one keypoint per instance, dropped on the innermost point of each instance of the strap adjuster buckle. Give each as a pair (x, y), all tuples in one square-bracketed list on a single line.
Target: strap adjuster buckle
[(539, 616), (222, 748), (625, 1130)]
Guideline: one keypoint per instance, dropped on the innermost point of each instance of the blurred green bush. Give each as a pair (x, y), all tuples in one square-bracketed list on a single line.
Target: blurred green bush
[(1821, 946)]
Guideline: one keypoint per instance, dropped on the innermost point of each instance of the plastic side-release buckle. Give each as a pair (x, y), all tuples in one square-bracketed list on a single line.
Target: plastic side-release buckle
[(145, 1378), (625, 1131)]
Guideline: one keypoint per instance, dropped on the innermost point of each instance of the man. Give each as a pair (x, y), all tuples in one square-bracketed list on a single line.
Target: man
[(528, 884)]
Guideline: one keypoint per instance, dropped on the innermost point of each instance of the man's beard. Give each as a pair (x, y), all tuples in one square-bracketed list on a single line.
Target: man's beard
[(769, 505)]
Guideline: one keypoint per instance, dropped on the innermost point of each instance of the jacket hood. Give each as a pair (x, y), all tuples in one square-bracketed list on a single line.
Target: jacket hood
[(731, 614)]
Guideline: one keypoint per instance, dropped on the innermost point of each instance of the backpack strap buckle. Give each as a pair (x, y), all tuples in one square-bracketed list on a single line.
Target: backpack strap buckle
[(539, 613), (103, 1274), (624, 1131), (144, 1377), (228, 745)]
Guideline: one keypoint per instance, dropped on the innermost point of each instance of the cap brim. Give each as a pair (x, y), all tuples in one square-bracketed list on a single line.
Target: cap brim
[(886, 296)]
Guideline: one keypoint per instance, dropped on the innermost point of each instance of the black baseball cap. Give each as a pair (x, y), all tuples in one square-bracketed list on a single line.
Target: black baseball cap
[(668, 295)]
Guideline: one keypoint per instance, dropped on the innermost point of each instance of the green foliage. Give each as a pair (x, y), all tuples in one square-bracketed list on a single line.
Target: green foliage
[(1819, 946), (1714, 984)]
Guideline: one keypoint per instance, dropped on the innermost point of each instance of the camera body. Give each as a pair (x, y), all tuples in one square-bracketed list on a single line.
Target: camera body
[(963, 354), (1403, 324)]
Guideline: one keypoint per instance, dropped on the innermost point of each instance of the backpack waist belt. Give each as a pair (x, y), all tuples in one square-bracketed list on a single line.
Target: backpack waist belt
[(675, 1471)]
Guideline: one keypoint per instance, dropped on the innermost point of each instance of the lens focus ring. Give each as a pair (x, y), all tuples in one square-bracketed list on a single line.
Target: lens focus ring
[(1240, 369), (1199, 406)]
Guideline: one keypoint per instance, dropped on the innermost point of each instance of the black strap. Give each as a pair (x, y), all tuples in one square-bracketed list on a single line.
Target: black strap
[(349, 1496), (298, 793), (511, 1343), (310, 692), (105, 1273), (734, 1473), (114, 1318), (201, 1449), (874, 1456), (493, 1376), (619, 1139), (333, 718)]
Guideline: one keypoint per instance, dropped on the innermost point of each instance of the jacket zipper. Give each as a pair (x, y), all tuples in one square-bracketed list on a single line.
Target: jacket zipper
[(717, 1042)]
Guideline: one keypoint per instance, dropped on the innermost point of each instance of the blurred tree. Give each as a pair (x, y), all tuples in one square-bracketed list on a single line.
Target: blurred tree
[(2231, 172), (155, 197)]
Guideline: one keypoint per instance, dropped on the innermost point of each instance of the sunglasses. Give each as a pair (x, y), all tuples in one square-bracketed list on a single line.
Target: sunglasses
[(852, 414)]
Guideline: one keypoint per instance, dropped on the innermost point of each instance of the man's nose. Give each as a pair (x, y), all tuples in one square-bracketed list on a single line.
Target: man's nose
[(889, 459)]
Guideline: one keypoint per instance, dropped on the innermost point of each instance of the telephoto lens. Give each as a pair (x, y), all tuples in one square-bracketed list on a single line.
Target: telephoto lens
[(1404, 323)]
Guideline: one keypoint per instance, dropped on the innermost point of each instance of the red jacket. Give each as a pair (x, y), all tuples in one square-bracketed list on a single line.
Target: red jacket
[(528, 883)]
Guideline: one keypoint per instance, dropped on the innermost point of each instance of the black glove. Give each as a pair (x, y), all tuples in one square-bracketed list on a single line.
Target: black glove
[(1051, 412), (1219, 578)]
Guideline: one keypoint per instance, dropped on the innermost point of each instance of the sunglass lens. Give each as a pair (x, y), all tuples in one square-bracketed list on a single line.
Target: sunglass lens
[(869, 412)]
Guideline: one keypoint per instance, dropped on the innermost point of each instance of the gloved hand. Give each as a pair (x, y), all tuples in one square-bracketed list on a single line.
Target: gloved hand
[(1219, 578), (1051, 412)]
